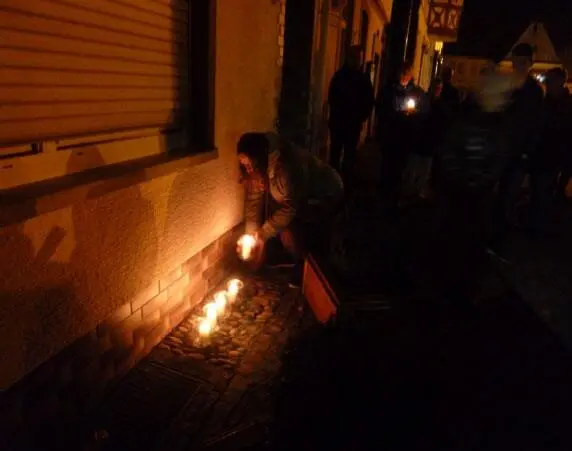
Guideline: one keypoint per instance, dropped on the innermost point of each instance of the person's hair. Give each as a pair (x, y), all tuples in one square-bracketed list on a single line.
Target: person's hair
[(523, 49), (558, 73), (407, 66), (255, 146)]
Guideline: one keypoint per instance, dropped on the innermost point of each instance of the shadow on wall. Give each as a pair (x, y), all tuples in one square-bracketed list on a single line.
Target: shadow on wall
[(47, 304)]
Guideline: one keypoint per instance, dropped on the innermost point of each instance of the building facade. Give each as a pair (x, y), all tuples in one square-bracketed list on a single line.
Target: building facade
[(119, 192), (466, 71)]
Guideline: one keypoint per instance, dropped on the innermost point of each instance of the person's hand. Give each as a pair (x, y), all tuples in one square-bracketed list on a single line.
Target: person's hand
[(258, 253)]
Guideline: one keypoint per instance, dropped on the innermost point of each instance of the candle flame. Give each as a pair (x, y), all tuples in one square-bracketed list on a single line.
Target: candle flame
[(411, 104), (246, 245), (234, 286), (220, 301), (211, 311), (205, 327)]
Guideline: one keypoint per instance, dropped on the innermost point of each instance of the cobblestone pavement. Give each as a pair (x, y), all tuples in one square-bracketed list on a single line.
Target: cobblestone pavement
[(493, 376), (208, 394)]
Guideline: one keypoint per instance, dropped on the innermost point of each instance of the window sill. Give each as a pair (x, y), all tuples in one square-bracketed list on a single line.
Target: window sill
[(22, 203)]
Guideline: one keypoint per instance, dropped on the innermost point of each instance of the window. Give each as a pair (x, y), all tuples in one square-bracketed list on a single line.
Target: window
[(88, 84)]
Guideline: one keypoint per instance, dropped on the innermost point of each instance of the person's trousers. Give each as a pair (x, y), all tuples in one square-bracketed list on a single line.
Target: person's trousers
[(509, 188), (344, 140), (542, 186), (416, 176), (393, 162)]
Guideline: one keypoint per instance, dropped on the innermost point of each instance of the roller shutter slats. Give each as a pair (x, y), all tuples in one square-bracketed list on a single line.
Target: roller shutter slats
[(69, 66)]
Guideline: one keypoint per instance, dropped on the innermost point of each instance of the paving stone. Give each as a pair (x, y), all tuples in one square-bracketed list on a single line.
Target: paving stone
[(239, 364)]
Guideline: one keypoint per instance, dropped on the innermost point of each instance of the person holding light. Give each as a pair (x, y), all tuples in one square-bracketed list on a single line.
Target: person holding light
[(290, 194)]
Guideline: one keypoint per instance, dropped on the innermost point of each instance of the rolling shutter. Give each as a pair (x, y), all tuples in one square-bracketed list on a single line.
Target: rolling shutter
[(80, 67)]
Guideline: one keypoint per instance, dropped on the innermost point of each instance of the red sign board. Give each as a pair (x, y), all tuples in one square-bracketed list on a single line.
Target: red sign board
[(444, 18)]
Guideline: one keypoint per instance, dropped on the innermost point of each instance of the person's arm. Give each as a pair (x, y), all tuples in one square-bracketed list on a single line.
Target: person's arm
[(281, 218), (253, 203)]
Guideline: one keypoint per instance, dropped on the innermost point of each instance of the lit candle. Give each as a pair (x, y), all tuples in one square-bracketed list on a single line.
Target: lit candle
[(220, 301), (205, 327), (246, 245), (410, 104), (232, 289), (211, 311)]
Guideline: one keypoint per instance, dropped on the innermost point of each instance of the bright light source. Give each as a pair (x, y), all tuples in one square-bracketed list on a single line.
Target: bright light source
[(232, 289), (211, 311), (410, 104), (205, 327), (220, 302), (246, 245)]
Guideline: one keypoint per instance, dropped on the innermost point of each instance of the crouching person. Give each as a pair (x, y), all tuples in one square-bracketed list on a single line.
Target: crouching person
[(290, 194)]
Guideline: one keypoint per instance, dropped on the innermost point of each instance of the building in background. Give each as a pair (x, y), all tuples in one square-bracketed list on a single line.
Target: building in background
[(466, 68), (466, 71), (418, 31), (318, 34), (545, 56)]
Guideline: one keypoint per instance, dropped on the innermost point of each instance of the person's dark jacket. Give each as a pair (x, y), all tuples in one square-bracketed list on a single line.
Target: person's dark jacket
[(396, 128), (449, 99), (554, 145), (524, 118), (350, 98), (444, 110), (301, 184)]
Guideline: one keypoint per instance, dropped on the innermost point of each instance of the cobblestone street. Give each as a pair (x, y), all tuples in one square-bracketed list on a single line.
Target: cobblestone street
[(403, 376), (191, 394)]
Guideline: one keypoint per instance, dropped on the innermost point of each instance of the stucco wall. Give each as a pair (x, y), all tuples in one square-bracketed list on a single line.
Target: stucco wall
[(64, 271)]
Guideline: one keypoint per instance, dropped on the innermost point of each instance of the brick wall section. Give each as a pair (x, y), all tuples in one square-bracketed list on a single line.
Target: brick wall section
[(69, 385)]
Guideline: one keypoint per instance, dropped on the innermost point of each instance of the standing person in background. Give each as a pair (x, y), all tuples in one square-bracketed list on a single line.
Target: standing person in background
[(473, 156), (553, 148), (523, 128), (445, 106), (449, 97), (350, 98), (401, 111)]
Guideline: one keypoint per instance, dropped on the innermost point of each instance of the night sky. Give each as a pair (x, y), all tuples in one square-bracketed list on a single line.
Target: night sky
[(489, 28)]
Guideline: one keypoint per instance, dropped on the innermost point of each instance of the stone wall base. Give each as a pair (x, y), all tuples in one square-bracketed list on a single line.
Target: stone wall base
[(64, 389)]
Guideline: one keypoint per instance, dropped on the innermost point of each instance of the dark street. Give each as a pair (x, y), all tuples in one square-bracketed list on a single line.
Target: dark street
[(408, 376), (285, 225)]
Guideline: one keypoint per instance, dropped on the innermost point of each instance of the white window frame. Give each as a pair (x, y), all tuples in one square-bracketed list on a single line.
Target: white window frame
[(35, 162)]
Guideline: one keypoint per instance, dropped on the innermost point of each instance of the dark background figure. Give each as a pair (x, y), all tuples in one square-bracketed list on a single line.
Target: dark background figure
[(449, 97), (445, 105), (473, 155), (401, 110), (351, 99), (553, 148), (523, 128)]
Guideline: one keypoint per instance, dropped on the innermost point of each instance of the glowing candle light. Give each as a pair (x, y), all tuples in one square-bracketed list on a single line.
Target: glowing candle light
[(410, 104), (205, 327), (211, 311), (220, 301), (232, 289), (246, 245)]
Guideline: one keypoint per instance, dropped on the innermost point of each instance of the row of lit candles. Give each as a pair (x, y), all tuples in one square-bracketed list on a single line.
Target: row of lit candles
[(215, 309)]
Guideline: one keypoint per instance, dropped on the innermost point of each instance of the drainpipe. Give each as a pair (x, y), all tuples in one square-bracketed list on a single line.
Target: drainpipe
[(408, 29)]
